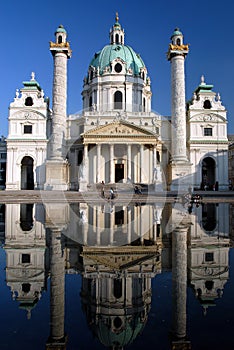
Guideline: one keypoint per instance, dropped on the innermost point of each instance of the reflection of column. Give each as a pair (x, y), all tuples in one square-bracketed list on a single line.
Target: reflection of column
[(57, 338), (98, 229), (98, 162), (111, 228), (141, 226), (86, 162), (154, 157), (129, 213), (112, 163), (179, 287), (129, 163), (141, 163)]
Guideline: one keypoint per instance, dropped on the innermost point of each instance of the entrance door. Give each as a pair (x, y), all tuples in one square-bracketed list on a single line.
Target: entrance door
[(27, 182), (208, 173), (119, 172)]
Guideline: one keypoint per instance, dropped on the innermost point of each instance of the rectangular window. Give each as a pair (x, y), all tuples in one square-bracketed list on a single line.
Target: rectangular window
[(25, 258), (27, 129), (207, 131), (3, 155), (209, 257)]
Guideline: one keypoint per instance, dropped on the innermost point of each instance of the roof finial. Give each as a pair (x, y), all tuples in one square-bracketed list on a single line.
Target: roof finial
[(33, 76), (117, 17), (202, 79)]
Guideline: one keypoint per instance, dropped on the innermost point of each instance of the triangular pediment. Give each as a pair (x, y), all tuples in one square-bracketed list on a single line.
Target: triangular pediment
[(119, 262), (119, 129)]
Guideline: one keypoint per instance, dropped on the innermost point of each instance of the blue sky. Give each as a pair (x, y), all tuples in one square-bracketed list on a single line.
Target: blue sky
[(28, 26)]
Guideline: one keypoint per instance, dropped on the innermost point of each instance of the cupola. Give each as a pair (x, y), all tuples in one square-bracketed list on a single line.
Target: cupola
[(116, 32), (177, 37), (60, 35)]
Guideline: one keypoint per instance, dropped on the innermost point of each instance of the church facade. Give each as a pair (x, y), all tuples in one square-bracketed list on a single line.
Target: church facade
[(117, 138)]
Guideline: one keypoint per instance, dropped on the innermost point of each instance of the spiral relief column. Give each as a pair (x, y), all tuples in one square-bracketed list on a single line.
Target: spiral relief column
[(57, 338), (57, 168), (180, 166)]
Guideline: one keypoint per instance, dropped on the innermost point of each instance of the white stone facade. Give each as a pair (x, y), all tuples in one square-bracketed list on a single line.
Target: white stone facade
[(29, 129), (116, 138)]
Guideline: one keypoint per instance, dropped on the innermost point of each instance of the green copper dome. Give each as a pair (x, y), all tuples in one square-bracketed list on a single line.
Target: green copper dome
[(104, 58), (60, 29), (176, 32)]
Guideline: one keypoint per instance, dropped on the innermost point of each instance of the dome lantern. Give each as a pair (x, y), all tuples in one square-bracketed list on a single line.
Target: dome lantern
[(116, 32)]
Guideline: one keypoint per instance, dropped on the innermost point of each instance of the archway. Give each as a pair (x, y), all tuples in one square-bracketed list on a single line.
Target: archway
[(118, 99), (208, 173), (26, 216), (209, 221), (27, 181)]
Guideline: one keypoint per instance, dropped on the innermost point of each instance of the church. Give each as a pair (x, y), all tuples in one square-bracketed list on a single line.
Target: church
[(117, 139)]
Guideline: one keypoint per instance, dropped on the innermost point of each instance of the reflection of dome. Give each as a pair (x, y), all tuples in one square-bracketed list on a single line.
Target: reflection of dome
[(109, 53), (124, 332)]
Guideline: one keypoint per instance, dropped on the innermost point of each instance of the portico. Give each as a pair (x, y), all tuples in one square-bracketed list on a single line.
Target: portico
[(119, 152)]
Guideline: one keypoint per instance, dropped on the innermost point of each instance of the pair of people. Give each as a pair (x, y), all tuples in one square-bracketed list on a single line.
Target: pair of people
[(111, 192)]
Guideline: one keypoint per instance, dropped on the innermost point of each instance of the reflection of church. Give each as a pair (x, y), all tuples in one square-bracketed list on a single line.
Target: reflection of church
[(209, 253), (117, 137), (116, 291), (25, 246)]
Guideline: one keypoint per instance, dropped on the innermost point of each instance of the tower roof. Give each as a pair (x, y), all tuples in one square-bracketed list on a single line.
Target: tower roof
[(176, 32), (32, 84), (60, 29), (203, 87)]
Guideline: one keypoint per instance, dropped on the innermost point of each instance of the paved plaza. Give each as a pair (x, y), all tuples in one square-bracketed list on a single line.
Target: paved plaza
[(37, 196)]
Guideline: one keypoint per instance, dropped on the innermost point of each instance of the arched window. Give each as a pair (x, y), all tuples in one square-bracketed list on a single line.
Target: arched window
[(143, 104), (27, 173), (117, 39), (178, 41), (91, 75), (118, 99), (209, 285), (207, 104), (28, 101), (60, 39), (143, 75), (26, 287), (26, 216)]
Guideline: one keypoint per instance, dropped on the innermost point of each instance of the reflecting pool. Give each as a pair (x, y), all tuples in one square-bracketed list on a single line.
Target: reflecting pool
[(112, 276)]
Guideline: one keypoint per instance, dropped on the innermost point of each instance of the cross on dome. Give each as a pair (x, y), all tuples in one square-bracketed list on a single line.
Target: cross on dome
[(117, 17)]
